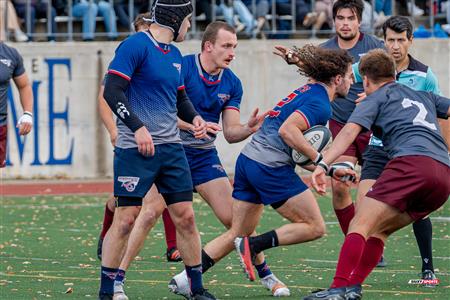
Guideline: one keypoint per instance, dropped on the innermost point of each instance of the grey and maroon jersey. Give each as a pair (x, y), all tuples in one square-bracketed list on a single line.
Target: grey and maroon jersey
[(405, 120), (343, 107), (11, 65)]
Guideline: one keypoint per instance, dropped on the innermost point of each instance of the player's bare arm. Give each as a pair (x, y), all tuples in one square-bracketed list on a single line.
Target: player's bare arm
[(107, 116), (234, 131), (25, 123)]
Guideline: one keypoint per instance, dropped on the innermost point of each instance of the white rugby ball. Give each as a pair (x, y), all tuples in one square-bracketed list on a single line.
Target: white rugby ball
[(318, 137)]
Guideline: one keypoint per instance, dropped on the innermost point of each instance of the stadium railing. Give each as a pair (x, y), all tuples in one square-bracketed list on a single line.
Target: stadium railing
[(198, 22)]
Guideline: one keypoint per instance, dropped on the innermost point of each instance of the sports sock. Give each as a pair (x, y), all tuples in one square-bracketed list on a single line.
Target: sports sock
[(107, 280), (170, 230), (423, 230), (120, 276), (349, 257), (263, 270), (369, 260), (263, 241), (207, 261), (107, 221), (344, 216), (194, 273)]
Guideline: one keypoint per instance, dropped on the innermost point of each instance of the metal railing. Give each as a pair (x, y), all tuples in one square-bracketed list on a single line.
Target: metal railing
[(68, 20)]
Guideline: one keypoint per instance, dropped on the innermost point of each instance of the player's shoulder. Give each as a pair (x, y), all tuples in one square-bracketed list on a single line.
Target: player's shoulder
[(330, 44), (9, 51), (417, 65), (371, 42), (229, 75)]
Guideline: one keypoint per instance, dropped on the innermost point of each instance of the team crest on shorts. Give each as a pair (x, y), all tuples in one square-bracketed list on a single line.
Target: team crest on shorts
[(128, 182)]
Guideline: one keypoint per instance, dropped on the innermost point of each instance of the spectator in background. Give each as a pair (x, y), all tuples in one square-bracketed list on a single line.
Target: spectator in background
[(323, 13), (260, 11), (88, 10), (383, 6), (121, 8), (9, 22), (38, 9)]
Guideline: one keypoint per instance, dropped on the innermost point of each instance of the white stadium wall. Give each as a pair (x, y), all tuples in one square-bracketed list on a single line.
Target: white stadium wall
[(68, 139)]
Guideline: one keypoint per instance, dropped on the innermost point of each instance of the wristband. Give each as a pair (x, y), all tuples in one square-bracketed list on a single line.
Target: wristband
[(324, 166), (318, 159)]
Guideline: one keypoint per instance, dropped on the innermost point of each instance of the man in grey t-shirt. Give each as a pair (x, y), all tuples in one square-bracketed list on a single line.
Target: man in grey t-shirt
[(413, 184), (11, 66)]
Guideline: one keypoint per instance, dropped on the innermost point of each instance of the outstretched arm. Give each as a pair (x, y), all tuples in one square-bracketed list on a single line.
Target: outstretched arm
[(234, 131)]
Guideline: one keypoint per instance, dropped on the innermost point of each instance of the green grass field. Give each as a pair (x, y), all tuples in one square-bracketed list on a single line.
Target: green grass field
[(48, 245)]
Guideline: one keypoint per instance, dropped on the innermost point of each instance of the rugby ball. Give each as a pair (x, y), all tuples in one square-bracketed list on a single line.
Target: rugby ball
[(318, 137)]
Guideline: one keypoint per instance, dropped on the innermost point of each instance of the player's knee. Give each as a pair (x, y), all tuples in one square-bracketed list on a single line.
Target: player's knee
[(186, 222), (149, 218), (319, 230), (125, 225), (340, 192)]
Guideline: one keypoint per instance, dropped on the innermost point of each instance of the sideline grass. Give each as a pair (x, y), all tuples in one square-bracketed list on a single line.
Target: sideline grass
[(48, 245)]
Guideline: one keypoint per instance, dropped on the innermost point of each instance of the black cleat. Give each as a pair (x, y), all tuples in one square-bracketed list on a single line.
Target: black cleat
[(329, 294), (105, 297), (382, 263), (173, 255), (202, 294), (353, 292), (99, 248), (431, 277)]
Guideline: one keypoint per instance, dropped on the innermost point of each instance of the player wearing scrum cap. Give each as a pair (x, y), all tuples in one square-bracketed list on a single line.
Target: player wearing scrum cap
[(145, 89)]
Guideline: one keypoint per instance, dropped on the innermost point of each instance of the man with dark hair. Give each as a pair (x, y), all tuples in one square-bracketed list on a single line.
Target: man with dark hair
[(412, 185), (11, 67), (145, 90), (347, 16), (397, 31), (217, 92)]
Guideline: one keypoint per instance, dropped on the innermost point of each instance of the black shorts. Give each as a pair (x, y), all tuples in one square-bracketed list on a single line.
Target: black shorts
[(375, 159)]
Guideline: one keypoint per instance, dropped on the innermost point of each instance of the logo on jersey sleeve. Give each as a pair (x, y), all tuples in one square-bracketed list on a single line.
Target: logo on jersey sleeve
[(223, 97), (128, 182), (177, 66), (122, 110)]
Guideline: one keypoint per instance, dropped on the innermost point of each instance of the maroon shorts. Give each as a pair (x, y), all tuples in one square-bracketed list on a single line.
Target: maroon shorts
[(3, 134), (417, 185), (357, 148)]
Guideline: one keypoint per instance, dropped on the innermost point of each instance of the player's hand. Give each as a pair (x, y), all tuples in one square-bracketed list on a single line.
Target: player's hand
[(347, 176), (200, 129), (319, 180), (255, 121), (25, 123), (287, 54), (113, 137), (361, 97), (213, 128), (144, 141)]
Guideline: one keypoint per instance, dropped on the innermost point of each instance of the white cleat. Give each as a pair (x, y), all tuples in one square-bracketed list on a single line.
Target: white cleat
[(119, 293), (278, 288), (179, 285)]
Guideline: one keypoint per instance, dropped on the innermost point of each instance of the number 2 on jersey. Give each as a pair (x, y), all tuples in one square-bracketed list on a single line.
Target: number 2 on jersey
[(421, 115)]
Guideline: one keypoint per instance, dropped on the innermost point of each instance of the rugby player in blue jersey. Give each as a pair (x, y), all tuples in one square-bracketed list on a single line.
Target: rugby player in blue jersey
[(215, 92), (145, 90), (265, 171), (398, 38), (412, 185)]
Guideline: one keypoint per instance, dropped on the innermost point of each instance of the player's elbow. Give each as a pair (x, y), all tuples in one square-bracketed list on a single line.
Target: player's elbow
[(284, 132)]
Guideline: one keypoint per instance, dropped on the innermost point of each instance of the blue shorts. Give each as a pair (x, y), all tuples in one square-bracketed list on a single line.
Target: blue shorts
[(134, 173), (260, 184), (205, 165), (375, 159)]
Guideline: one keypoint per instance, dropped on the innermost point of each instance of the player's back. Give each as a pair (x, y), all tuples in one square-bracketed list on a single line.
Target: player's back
[(407, 121), (311, 101)]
